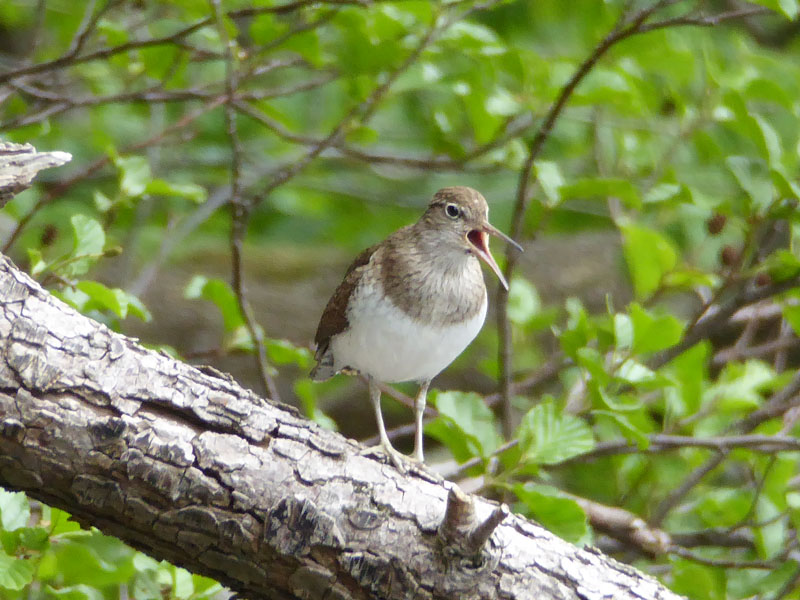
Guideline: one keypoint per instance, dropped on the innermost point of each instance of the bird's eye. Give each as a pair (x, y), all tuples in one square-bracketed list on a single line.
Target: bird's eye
[(452, 211)]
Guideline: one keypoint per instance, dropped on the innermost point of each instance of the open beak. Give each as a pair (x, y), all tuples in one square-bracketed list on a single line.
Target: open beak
[(479, 238)]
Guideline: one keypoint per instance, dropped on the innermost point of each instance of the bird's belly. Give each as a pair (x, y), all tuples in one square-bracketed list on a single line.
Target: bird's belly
[(385, 343)]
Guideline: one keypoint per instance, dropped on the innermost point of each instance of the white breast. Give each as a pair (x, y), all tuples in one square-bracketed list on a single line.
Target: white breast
[(385, 343)]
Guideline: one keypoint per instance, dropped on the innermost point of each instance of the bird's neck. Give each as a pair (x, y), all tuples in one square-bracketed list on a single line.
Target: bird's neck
[(430, 280)]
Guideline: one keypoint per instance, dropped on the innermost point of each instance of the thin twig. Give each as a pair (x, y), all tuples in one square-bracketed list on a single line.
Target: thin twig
[(240, 209)]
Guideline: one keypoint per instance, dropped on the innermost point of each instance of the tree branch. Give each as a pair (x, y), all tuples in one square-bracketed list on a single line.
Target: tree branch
[(191, 468), (19, 164)]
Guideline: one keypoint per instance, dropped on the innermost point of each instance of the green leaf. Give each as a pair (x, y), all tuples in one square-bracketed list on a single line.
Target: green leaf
[(35, 261), (501, 103), (723, 507), (770, 141), (90, 558), (34, 538), (135, 175), (591, 360), (284, 352), (770, 537), (788, 8), (651, 332), (579, 329), (189, 191), (15, 573), (305, 390), (549, 436), (698, 582), (14, 510), (549, 176), (782, 265), (740, 386), (183, 586), (753, 178), (689, 369), (602, 187), (791, 312), (75, 592), (103, 297), (221, 294), (630, 431), (666, 191), (623, 331), (471, 37), (60, 522), (88, 239), (554, 510), (650, 255), (465, 424), (118, 301), (101, 202), (523, 301)]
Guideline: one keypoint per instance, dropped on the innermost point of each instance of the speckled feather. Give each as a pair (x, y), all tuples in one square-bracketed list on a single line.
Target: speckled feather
[(425, 281)]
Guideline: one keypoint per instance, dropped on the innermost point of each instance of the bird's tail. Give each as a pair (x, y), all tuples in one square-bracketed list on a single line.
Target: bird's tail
[(324, 368)]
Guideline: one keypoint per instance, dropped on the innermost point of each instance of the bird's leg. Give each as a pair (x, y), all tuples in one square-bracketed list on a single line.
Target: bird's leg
[(397, 459), (419, 411)]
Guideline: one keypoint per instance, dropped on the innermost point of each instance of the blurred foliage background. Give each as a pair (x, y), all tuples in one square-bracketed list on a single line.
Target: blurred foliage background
[(637, 389)]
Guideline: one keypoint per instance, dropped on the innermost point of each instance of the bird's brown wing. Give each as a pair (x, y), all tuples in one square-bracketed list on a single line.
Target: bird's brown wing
[(334, 317)]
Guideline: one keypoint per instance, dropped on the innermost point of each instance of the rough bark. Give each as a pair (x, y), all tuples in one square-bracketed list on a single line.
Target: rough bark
[(19, 164), (188, 466)]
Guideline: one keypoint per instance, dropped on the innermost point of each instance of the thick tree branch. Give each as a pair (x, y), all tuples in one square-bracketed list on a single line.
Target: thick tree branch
[(192, 468)]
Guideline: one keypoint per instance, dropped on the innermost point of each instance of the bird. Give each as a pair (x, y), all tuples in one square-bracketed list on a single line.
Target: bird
[(409, 305)]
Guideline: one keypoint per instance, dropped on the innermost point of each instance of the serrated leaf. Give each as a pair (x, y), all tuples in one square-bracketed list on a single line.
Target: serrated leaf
[(549, 436), (90, 558), (466, 416), (15, 573), (34, 538)]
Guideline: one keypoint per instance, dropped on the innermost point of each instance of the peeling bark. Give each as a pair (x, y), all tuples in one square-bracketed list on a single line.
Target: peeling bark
[(19, 164), (189, 467)]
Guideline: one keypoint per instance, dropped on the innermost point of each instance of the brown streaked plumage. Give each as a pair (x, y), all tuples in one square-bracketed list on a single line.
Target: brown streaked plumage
[(409, 305)]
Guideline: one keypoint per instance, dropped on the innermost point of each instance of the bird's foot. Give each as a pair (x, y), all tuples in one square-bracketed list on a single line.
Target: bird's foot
[(402, 462)]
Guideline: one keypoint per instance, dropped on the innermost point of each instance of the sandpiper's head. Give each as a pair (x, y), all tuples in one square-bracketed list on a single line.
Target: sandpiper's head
[(460, 215)]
